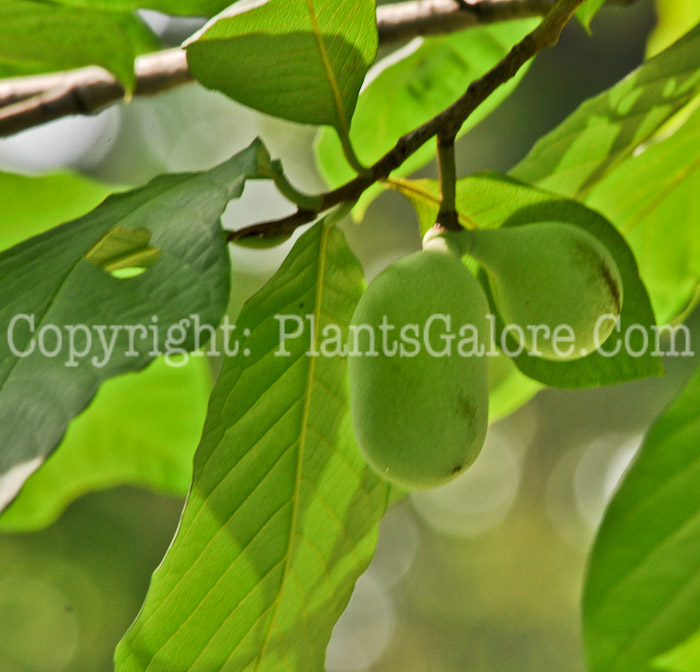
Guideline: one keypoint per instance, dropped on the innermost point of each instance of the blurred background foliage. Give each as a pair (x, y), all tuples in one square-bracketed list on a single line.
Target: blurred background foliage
[(483, 574)]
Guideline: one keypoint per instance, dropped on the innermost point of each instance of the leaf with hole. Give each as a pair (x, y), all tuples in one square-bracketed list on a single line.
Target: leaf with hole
[(71, 325)]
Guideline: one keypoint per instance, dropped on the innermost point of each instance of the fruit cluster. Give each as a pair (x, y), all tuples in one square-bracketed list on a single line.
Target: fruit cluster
[(421, 420)]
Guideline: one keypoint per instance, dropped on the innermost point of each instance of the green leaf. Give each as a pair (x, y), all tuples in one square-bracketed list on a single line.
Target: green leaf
[(642, 593), (282, 515), (509, 389), (122, 248), (489, 200), (88, 325), (587, 11), (177, 7), (402, 94), (141, 428), (54, 199), (674, 19), (302, 60), (683, 658), (36, 36), (610, 127), (654, 198)]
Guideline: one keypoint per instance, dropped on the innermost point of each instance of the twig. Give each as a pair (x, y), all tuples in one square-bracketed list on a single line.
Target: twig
[(447, 123), (26, 102)]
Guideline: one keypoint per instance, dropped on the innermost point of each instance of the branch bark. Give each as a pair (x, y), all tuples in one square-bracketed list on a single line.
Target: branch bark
[(446, 123), (26, 102)]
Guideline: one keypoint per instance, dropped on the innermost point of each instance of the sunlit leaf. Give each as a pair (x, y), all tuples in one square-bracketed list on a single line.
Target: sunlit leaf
[(610, 127), (674, 19), (654, 198), (54, 199), (642, 594), (180, 7), (39, 36), (122, 248), (282, 515), (302, 60), (410, 86)]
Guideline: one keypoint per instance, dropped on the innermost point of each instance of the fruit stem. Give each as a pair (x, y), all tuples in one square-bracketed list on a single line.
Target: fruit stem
[(351, 157), (447, 171), (274, 171)]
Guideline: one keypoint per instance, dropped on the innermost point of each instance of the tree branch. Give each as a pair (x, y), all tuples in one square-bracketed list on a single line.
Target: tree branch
[(447, 123), (26, 102)]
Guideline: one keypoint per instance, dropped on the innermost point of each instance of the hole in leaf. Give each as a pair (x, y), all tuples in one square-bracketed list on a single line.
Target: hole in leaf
[(123, 252)]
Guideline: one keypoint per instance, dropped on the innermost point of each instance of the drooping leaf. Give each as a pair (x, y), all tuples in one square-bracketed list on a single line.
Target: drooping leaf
[(410, 86), (302, 60), (177, 7), (71, 325), (587, 11), (141, 429), (282, 515), (39, 36), (489, 200), (654, 198), (610, 127), (642, 593)]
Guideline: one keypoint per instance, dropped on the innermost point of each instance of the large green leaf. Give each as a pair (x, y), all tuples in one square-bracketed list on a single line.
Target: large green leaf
[(642, 594), (489, 200), (302, 60), (282, 514), (141, 428), (654, 199), (49, 280), (38, 36), (179, 7), (610, 127), (402, 94)]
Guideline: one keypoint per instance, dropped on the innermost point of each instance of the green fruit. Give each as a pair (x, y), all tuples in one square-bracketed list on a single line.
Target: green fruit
[(420, 420), (550, 274)]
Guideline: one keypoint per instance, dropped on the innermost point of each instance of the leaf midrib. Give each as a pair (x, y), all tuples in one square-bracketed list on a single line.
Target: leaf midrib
[(323, 243), (335, 93)]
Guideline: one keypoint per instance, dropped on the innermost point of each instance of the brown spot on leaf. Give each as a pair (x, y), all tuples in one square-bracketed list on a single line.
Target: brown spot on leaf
[(591, 258), (612, 285)]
